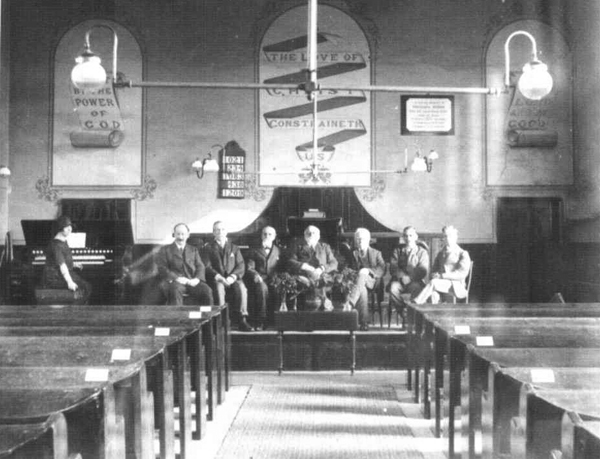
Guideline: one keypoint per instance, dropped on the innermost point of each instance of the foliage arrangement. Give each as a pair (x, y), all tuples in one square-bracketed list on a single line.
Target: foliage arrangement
[(287, 285), (345, 280)]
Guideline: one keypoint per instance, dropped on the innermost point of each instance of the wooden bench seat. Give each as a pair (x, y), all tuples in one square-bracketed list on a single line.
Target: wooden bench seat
[(93, 420), (134, 318), (535, 335), (28, 439), (500, 402), (49, 296), (444, 348), (421, 318), (468, 371), (308, 321), (579, 439), (536, 430), (215, 324)]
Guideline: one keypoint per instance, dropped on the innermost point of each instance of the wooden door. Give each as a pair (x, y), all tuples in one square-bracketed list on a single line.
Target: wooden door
[(528, 232)]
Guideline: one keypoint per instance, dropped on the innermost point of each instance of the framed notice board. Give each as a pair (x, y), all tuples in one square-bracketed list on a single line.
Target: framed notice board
[(427, 115), (232, 167)]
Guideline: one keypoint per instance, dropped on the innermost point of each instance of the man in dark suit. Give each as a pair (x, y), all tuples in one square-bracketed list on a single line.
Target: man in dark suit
[(225, 270), (310, 259), (261, 264), (371, 268), (181, 270)]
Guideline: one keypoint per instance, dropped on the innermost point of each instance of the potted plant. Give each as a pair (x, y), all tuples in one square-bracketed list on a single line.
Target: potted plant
[(287, 287), (344, 283)]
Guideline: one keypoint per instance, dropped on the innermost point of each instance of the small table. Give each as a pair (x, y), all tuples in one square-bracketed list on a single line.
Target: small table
[(307, 321)]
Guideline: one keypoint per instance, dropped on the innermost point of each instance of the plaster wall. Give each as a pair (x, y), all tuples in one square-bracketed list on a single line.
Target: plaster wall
[(425, 42)]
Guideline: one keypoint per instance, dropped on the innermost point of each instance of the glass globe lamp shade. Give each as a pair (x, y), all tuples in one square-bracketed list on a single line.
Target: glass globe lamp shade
[(88, 74), (419, 164), (197, 165), (433, 155), (211, 165), (535, 82)]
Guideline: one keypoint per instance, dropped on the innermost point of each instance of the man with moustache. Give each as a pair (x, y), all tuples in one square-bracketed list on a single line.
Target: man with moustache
[(181, 270)]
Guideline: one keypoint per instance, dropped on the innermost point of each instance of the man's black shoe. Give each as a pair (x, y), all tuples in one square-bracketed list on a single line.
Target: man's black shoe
[(244, 326)]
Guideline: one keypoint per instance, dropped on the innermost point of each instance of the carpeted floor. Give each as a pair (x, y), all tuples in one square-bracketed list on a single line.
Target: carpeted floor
[(326, 415)]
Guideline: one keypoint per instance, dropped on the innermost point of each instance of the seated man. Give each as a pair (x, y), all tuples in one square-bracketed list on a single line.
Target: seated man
[(310, 259), (225, 269), (450, 269), (261, 264), (181, 270), (371, 268), (409, 267)]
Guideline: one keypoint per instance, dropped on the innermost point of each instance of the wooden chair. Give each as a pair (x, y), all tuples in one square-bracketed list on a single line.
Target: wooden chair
[(557, 298), (467, 286), (376, 300)]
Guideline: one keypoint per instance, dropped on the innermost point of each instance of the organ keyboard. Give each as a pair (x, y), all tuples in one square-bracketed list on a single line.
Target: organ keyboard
[(85, 256)]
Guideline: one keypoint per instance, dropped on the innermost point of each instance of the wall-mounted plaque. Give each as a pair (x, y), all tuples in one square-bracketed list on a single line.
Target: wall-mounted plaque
[(232, 167), (427, 115)]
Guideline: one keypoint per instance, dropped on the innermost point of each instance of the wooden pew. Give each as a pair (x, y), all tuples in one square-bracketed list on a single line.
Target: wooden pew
[(92, 419), (501, 398), (579, 439), (219, 331), (151, 316), (512, 331), (97, 351), (479, 360), (420, 318), (467, 377), (28, 439), (470, 315), (138, 316), (432, 347), (536, 431)]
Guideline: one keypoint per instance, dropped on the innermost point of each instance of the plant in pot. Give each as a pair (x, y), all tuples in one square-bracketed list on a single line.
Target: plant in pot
[(288, 288), (344, 283)]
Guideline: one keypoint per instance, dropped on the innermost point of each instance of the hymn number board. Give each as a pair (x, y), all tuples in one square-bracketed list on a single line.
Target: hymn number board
[(231, 174)]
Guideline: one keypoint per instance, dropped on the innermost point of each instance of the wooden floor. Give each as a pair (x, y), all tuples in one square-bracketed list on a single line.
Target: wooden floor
[(414, 439)]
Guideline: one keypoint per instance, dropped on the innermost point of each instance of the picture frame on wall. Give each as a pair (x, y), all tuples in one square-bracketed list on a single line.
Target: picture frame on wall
[(427, 115)]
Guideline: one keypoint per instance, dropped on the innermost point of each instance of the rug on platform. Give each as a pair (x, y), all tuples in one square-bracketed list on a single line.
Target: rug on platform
[(326, 420)]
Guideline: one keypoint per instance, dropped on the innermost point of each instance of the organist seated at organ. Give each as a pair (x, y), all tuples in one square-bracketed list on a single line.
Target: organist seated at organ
[(59, 267)]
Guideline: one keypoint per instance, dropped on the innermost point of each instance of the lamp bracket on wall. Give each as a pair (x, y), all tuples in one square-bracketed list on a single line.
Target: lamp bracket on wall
[(535, 83)]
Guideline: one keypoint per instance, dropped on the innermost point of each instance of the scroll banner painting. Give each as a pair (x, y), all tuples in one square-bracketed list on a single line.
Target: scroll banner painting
[(344, 117), (97, 136), (529, 142)]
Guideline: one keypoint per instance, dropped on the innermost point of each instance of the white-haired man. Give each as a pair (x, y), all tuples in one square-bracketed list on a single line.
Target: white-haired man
[(310, 258), (371, 267), (450, 269)]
